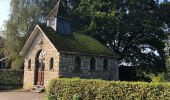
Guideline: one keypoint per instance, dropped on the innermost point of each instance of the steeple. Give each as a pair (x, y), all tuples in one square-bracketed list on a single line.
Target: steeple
[(54, 12), (58, 21), (157, 1)]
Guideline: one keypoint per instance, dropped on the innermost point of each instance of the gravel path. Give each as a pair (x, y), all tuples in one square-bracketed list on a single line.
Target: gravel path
[(21, 96)]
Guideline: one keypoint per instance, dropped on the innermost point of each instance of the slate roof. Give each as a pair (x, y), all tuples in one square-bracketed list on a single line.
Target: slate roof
[(76, 42)]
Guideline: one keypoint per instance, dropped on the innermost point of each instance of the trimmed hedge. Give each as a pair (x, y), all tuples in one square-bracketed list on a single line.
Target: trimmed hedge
[(11, 79), (66, 89)]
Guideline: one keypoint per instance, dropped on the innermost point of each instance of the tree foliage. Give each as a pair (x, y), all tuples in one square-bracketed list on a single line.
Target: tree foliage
[(24, 16), (165, 14), (132, 28)]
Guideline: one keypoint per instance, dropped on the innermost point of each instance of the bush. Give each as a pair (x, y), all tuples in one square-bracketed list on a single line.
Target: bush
[(11, 79), (77, 97), (65, 89)]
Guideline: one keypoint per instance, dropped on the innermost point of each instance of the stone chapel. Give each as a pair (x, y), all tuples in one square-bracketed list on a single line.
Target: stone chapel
[(54, 51)]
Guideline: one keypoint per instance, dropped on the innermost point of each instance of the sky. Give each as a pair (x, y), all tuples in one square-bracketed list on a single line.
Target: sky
[(5, 9)]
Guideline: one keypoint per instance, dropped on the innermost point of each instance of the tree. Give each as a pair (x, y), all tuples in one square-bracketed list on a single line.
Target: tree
[(132, 28), (165, 14), (165, 1), (24, 16)]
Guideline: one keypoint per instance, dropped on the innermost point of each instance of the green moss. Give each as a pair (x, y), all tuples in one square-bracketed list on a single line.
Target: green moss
[(76, 43)]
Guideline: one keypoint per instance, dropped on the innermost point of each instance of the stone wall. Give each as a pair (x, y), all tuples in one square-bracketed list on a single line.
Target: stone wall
[(67, 67), (64, 64), (50, 51)]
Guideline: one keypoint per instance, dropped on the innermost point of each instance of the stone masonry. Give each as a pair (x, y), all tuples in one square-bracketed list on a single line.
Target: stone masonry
[(50, 51), (64, 63), (67, 68)]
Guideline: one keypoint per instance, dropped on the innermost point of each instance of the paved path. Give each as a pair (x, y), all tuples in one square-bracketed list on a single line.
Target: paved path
[(21, 96)]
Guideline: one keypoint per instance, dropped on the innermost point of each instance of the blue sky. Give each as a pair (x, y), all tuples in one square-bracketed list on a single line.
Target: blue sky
[(5, 9)]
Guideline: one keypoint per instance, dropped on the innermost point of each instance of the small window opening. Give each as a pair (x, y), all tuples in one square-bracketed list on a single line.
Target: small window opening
[(105, 64), (92, 64), (29, 64), (51, 63), (77, 63)]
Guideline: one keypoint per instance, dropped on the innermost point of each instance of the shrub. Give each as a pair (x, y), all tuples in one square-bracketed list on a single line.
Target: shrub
[(10, 79), (77, 97), (65, 89)]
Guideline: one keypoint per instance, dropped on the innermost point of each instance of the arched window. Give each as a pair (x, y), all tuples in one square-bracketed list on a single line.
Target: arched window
[(92, 64), (51, 63), (29, 64), (77, 63), (105, 64)]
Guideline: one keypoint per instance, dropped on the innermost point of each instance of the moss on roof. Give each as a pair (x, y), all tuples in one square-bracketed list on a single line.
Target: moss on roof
[(76, 42)]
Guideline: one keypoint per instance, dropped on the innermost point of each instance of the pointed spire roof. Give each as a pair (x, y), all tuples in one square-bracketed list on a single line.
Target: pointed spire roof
[(54, 12)]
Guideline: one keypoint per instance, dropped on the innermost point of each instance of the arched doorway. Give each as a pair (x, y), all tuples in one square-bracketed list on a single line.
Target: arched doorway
[(39, 68)]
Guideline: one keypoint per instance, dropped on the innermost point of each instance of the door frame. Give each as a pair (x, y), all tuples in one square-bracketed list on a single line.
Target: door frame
[(37, 66)]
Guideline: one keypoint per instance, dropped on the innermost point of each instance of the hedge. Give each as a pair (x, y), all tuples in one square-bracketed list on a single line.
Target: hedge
[(11, 79), (67, 89)]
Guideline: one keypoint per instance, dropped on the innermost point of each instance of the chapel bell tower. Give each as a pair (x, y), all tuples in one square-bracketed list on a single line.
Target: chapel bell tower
[(57, 21)]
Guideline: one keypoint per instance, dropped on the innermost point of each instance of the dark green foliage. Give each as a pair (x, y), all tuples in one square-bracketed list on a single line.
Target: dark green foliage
[(76, 43), (132, 73), (165, 12), (129, 73), (165, 16), (132, 28), (10, 79), (77, 97), (65, 89)]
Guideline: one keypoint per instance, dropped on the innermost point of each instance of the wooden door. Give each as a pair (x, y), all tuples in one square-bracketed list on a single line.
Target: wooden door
[(41, 75)]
